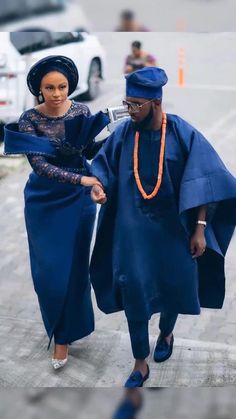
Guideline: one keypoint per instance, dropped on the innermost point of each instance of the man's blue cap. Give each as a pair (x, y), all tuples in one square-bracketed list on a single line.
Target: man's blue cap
[(146, 83)]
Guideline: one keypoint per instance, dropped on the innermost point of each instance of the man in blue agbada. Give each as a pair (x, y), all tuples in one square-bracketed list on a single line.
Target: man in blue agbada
[(168, 216)]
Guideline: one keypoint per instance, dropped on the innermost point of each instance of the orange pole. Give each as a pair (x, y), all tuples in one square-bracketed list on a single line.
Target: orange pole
[(181, 24), (181, 75)]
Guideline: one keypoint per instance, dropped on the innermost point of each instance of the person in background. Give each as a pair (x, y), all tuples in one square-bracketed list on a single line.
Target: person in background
[(138, 58), (128, 23)]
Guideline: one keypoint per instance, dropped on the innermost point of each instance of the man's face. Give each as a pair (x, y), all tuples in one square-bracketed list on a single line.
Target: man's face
[(143, 117), (127, 24), (136, 52)]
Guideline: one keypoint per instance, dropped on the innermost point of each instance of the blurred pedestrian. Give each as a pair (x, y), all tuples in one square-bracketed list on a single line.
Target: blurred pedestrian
[(129, 23), (130, 405), (57, 136), (138, 58), (168, 215)]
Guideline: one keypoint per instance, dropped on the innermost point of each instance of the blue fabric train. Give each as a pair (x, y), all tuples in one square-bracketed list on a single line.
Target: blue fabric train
[(79, 131), (59, 220), (141, 261)]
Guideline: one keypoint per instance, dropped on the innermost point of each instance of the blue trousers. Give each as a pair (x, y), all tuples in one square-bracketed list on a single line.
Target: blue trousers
[(139, 333)]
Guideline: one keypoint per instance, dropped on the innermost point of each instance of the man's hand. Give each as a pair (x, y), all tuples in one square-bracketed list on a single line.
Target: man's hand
[(98, 195), (198, 242)]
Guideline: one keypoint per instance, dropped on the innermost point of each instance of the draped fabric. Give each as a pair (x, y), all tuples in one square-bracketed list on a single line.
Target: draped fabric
[(141, 261)]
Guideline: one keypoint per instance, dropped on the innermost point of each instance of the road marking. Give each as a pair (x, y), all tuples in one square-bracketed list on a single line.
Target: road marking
[(221, 123), (211, 87)]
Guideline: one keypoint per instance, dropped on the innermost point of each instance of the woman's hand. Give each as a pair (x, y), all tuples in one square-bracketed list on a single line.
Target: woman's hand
[(98, 195), (90, 181), (198, 242)]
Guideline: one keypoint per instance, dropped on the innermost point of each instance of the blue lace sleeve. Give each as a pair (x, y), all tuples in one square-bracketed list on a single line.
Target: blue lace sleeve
[(41, 166)]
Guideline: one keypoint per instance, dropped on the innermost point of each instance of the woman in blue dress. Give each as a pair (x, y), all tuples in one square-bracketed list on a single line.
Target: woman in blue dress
[(57, 136)]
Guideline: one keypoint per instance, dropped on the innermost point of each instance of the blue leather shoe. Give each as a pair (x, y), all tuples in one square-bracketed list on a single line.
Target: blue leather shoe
[(163, 350), (126, 410), (136, 379)]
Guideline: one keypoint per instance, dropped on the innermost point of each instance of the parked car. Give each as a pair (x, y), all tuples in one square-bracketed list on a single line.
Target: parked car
[(20, 50), (51, 15)]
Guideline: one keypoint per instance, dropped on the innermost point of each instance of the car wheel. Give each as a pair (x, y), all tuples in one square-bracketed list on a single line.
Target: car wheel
[(94, 79)]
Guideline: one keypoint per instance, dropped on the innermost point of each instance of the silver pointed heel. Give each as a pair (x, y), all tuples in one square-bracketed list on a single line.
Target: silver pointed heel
[(59, 363)]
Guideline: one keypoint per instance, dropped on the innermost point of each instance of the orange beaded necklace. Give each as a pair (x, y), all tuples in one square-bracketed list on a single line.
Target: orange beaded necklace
[(161, 162)]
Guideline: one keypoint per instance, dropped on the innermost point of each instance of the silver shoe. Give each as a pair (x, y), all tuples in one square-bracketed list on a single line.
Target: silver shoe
[(59, 363)]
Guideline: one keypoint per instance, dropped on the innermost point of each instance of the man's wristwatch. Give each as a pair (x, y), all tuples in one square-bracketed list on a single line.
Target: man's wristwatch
[(204, 223)]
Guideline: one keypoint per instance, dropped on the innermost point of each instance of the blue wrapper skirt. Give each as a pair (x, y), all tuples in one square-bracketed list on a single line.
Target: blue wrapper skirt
[(59, 221)]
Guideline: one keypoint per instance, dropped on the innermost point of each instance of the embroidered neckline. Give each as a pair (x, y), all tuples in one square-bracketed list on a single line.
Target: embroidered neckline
[(56, 117)]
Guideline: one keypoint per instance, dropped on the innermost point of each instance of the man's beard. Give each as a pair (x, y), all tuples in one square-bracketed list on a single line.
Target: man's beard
[(145, 123)]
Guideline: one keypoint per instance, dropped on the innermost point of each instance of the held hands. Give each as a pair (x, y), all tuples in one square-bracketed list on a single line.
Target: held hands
[(90, 181), (98, 195), (198, 242)]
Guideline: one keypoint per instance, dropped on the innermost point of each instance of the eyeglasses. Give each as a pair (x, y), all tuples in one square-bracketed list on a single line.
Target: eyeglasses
[(135, 107)]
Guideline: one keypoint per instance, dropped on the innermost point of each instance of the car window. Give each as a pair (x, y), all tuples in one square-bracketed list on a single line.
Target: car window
[(62, 38), (27, 42), (31, 41)]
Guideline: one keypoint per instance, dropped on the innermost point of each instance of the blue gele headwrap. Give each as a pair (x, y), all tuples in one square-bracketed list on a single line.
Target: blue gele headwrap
[(44, 66)]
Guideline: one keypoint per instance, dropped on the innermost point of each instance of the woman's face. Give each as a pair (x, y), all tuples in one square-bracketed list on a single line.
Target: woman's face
[(54, 88)]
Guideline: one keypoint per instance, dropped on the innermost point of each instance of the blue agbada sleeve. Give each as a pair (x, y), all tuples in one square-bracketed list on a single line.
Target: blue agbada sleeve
[(105, 164), (205, 181), (105, 167)]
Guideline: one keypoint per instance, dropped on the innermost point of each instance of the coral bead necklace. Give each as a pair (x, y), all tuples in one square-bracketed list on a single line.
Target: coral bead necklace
[(160, 166)]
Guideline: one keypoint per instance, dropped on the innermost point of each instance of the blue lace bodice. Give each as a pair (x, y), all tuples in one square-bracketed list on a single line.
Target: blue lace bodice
[(64, 167)]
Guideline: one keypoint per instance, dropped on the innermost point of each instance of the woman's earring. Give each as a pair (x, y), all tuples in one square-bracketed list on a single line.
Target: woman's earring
[(40, 97)]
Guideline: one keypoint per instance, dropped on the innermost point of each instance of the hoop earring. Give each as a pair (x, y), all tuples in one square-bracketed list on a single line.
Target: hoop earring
[(40, 97)]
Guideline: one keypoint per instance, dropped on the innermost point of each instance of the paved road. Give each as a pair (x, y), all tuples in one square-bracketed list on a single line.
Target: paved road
[(156, 15), (205, 351), (207, 403)]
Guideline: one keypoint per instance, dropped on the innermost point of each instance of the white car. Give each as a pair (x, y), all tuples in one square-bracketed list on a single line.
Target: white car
[(51, 15), (20, 50)]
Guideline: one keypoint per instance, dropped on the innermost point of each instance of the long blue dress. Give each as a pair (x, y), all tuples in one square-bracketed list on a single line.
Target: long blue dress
[(141, 261), (59, 215)]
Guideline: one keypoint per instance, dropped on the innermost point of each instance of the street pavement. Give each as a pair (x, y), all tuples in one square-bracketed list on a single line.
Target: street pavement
[(205, 403), (205, 348), (156, 15)]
